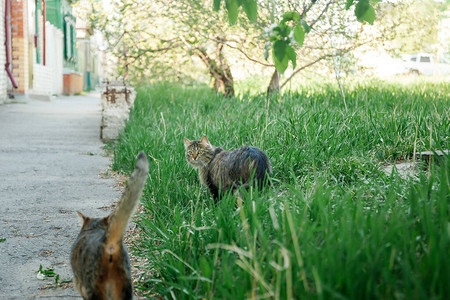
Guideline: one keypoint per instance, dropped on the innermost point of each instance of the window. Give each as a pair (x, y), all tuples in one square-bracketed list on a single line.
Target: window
[(425, 59), (66, 50), (69, 38)]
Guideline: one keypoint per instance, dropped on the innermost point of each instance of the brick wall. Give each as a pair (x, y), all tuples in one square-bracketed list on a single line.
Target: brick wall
[(3, 75), (19, 45)]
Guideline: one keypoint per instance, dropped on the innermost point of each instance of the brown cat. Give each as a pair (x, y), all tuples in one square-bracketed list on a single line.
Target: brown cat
[(99, 259), (221, 170)]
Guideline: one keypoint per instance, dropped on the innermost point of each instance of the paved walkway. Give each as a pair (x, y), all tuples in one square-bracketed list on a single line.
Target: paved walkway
[(50, 160)]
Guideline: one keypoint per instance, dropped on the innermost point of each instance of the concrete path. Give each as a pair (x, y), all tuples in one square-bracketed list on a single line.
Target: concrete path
[(51, 159)]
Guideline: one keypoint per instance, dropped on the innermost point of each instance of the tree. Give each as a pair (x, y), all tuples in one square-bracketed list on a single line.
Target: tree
[(202, 36), (172, 37), (141, 32), (293, 26), (420, 33)]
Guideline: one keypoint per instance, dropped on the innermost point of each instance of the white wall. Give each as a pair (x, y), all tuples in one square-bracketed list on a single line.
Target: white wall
[(42, 81), (54, 56)]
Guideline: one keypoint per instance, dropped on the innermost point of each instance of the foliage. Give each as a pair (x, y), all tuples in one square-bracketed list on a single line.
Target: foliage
[(157, 39), (331, 226), (281, 40), (154, 40), (49, 272), (232, 7), (420, 33)]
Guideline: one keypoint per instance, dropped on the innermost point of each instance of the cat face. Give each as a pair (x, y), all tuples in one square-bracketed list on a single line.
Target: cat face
[(198, 153)]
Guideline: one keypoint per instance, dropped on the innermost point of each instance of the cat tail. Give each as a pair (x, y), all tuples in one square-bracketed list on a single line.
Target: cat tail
[(260, 163), (118, 220)]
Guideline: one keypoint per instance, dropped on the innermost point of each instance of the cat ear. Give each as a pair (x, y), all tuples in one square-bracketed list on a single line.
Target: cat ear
[(83, 217), (106, 220), (204, 141), (187, 142)]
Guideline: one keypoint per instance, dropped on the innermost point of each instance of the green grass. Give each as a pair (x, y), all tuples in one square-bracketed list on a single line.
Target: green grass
[(331, 226)]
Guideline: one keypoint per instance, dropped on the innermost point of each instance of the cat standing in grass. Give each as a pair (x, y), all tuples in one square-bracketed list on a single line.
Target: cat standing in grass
[(222, 170), (99, 259)]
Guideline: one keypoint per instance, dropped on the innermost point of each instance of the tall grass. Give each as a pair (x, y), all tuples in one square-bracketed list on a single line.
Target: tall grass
[(332, 225)]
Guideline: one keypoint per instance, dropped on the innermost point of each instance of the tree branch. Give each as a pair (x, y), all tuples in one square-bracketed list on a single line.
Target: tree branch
[(225, 41), (248, 57), (304, 67), (306, 9), (142, 52), (341, 51), (321, 14)]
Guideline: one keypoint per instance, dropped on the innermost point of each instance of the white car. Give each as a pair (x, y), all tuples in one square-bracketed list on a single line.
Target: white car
[(424, 64)]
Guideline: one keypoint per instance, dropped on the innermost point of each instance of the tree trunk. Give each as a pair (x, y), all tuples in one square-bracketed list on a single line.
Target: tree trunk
[(274, 85), (219, 71)]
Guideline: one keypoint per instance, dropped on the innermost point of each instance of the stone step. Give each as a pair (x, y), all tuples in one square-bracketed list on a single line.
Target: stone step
[(428, 155)]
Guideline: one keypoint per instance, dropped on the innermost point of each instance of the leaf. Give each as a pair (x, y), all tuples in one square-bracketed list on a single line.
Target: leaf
[(251, 9), (279, 49), (299, 34), (2, 240), (365, 12), (233, 9), (306, 26), (361, 8), (348, 4), (216, 5), (282, 29), (291, 16), (281, 66), (369, 16), (205, 268), (280, 58), (291, 55)]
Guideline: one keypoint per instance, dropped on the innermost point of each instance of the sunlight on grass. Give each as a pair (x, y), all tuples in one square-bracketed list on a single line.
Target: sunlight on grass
[(331, 226)]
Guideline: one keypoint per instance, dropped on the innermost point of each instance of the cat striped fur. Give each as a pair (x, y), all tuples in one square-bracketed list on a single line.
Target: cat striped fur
[(222, 170), (99, 259)]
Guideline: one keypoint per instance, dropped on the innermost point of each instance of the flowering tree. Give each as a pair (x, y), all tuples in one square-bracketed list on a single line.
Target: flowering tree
[(174, 36), (293, 26)]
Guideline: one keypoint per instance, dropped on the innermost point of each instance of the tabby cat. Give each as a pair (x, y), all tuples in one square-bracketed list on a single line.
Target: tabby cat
[(99, 259), (222, 170)]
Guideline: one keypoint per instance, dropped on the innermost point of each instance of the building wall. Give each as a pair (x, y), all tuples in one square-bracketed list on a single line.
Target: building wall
[(60, 14), (89, 45), (19, 45), (89, 61), (3, 75), (70, 50), (40, 26), (83, 60), (27, 31), (28, 56), (54, 13), (54, 56), (43, 81)]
